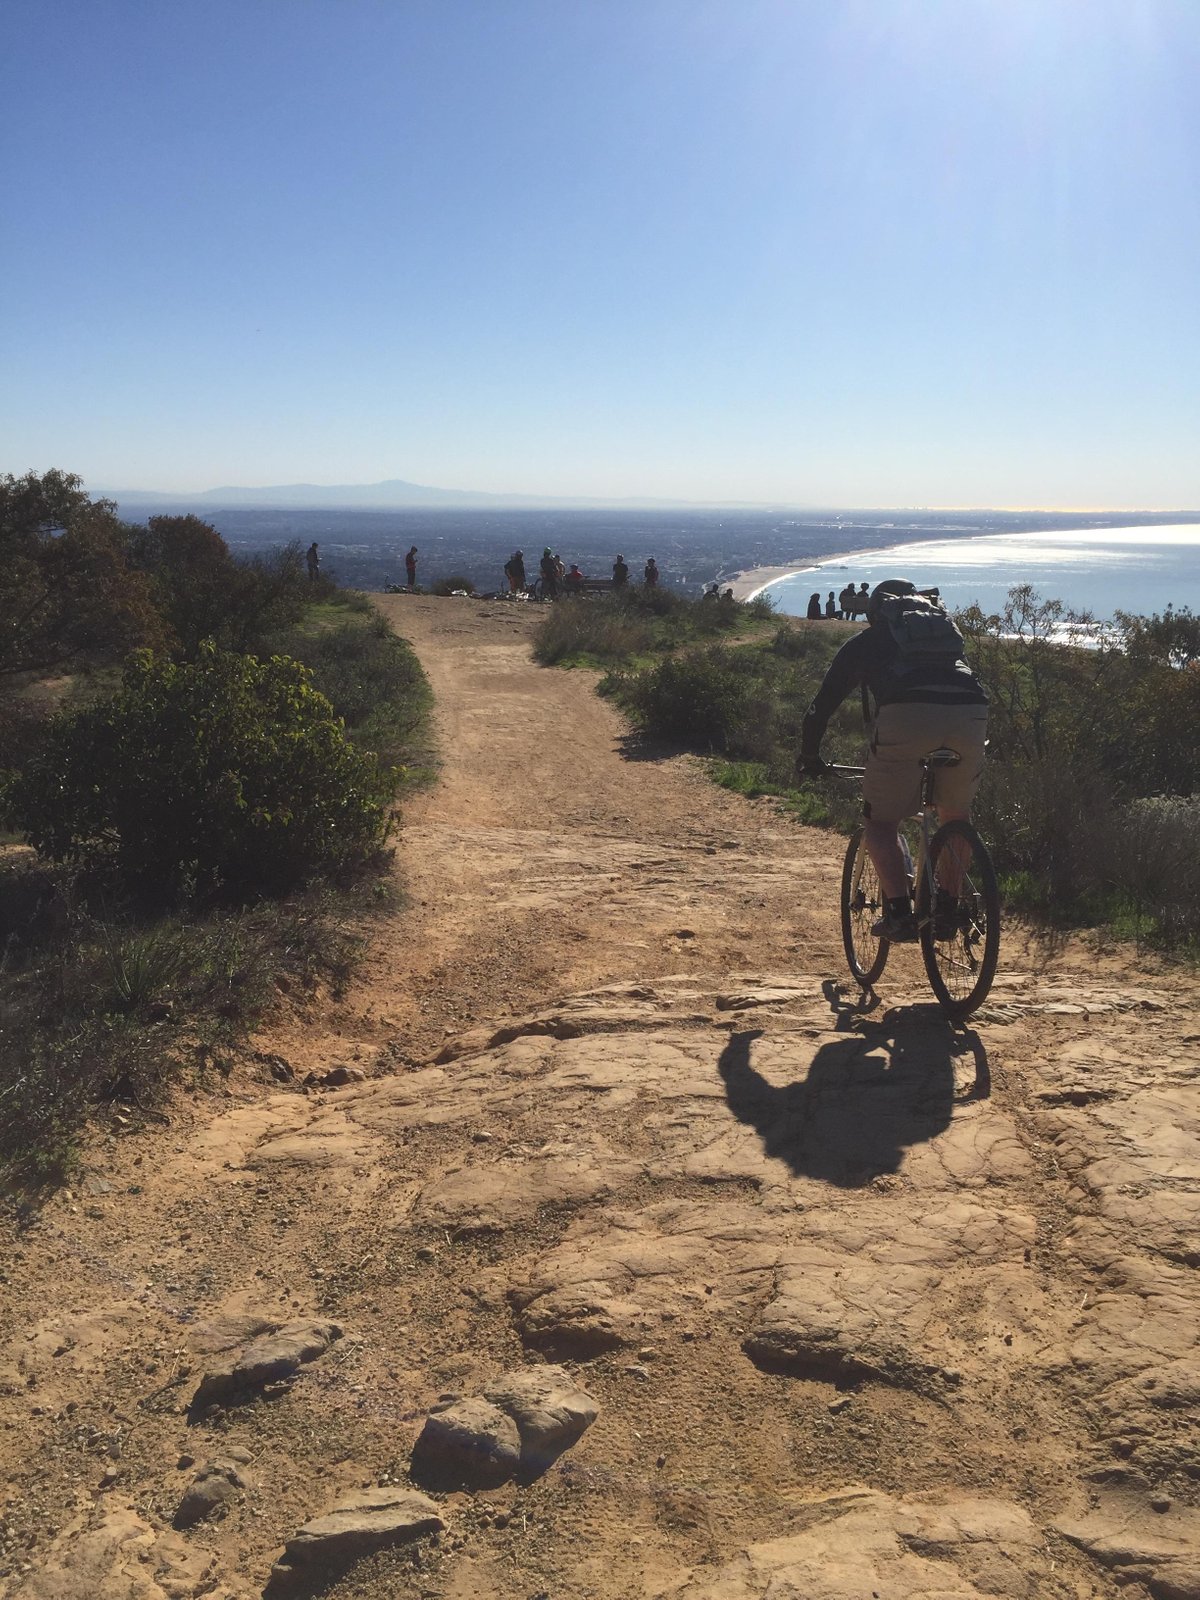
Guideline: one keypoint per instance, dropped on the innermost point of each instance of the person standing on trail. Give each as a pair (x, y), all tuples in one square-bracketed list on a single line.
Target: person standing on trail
[(846, 602), (620, 573), (314, 562), (548, 567), (651, 574), (909, 660), (410, 567), (514, 571)]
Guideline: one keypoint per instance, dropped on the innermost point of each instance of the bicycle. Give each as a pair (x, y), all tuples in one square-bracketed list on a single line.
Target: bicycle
[(956, 899)]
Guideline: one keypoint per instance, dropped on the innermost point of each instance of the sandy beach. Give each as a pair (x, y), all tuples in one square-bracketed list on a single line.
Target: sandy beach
[(746, 585)]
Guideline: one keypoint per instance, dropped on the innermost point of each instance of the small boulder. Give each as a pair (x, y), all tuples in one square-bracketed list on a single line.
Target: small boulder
[(211, 1492), (521, 1423), (276, 1356), (335, 1077), (468, 1441), (549, 1408), (375, 1519)]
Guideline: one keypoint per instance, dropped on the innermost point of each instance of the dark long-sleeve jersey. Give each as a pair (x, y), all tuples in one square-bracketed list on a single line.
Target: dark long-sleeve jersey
[(873, 658)]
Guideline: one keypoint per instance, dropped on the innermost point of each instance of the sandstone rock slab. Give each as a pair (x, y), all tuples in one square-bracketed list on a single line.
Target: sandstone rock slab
[(110, 1552), (1159, 1549), (489, 1196), (375, 1519), (856, 1543), (871, 1297), (270, 1359)]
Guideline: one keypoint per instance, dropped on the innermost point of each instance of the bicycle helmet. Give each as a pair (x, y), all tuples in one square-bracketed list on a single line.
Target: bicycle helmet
[(887, 590)]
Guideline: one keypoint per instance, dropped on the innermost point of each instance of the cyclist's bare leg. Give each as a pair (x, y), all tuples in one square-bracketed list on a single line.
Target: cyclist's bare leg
[(882, 840)]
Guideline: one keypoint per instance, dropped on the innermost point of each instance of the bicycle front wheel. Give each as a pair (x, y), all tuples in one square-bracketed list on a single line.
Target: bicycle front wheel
[(958, 909), (862, 907)]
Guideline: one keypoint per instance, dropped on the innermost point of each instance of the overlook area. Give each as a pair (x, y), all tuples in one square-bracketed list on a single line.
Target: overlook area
[(833, 1302)]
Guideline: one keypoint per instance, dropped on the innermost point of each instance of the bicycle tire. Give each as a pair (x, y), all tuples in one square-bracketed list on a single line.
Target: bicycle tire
[(961, 969), (862, 905)]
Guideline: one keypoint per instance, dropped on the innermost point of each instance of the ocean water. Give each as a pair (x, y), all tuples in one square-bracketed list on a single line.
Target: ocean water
[(1140, 570)]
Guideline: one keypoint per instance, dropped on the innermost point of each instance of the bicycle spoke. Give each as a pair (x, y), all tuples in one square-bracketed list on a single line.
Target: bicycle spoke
[(862, 906), (960, 935)]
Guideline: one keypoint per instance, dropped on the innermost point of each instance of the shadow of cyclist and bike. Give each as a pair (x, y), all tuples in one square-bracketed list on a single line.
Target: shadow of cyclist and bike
[(885, 1084)]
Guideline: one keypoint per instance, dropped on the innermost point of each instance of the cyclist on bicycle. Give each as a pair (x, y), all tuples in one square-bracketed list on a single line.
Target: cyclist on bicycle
[(909, 660)]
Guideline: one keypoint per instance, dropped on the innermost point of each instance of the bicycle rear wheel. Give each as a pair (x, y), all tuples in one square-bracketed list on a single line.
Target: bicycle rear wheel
[(862, 906), (962, 904)]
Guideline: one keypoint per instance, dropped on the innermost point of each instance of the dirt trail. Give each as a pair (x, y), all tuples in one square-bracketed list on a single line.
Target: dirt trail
[(868, 1306)]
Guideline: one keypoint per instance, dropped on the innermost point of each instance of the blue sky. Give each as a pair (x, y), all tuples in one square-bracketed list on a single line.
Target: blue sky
[(824, 252)]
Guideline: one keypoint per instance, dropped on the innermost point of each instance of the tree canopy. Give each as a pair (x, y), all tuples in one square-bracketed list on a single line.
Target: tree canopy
[(69, 594)]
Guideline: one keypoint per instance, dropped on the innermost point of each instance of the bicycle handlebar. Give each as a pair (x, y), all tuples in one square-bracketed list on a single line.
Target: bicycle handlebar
[(844, 772)]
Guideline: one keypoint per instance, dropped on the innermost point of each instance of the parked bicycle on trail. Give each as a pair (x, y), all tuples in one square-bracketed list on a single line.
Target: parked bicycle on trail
[(928, 732)]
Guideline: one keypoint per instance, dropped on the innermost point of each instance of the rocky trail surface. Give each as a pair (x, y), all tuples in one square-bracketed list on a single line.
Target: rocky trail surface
[(620, 1255)]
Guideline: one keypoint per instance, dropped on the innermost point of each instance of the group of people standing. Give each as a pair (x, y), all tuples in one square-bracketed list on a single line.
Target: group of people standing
[(557, 578), (849, 604)]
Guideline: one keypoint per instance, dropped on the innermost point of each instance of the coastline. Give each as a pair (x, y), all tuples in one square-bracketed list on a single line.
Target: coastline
[(746, 585), (1094, 571), (749, 584)]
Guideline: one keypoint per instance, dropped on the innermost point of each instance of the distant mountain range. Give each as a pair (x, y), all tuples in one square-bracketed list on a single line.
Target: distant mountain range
[(393, 494)]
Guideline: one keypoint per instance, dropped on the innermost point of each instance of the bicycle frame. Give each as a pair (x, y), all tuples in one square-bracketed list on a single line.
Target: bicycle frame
[(955, 899), (926, 817)]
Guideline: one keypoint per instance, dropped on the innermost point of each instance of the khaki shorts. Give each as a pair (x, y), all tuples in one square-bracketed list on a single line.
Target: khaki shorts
[(901, 736)]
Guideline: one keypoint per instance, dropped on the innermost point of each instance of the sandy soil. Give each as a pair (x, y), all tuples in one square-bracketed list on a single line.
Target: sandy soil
[(866, 1305)]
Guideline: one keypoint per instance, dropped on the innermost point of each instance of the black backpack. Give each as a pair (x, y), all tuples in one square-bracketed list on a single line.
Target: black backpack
[(925, 636)]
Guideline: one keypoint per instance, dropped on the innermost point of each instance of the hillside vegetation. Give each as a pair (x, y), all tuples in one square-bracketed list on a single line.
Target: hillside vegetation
[(1089, 796), (208, 815)]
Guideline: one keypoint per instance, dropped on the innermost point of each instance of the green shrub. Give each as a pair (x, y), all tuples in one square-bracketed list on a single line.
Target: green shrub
[(1153, 861), (712, 699), (69, 597), (205, 592), (229, 773), (615, 629), (376, 686), (590, 631)]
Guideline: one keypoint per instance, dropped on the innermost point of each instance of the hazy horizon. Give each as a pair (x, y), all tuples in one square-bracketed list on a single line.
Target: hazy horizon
[(535, 498), (870, 253)]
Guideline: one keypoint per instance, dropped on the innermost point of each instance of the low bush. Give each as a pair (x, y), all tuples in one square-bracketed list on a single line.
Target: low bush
[(229, 775), (454, 584), (710, 699), (376, 686), (1047, 824), (619, 627), (1152, 859), (584, 632)]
